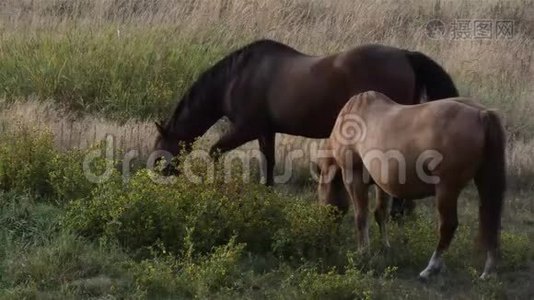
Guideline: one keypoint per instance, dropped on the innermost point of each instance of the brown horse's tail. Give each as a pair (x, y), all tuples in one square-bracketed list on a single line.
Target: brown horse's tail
[(491, 181), (431, 78)]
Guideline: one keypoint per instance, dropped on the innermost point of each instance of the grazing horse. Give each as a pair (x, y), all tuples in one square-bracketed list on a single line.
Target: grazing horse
[(429, 149), (267, 87)]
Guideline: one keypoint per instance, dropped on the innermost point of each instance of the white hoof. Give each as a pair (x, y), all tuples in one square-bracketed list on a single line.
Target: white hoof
[(424, 276), (434, 267), (364, 250), (488, 275), (429, 272)]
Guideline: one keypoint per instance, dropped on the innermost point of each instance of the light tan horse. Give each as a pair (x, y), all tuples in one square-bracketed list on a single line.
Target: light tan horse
[(435, 148)]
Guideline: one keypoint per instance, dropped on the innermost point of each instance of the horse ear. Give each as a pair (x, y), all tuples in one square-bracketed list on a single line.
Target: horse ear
[(160, 128)]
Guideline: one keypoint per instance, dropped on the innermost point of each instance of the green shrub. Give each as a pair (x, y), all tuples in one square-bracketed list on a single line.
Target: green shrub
[(30, 163), (25, 157), (67, 176), (142, 213), (190, 277), (310, 232)]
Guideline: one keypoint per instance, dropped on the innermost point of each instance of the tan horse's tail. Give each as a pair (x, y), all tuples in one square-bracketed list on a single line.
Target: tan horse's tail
[(491, 181)]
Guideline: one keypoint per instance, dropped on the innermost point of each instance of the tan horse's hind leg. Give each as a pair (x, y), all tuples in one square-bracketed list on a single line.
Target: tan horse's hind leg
[(358, 192), (381, 214), (447, 201), (490, 220)]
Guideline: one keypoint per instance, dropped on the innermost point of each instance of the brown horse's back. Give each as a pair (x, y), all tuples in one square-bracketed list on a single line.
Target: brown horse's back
[(309, 91)]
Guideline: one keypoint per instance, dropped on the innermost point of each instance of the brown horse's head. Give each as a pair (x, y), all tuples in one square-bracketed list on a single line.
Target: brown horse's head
[(166, 140), (168, 144)]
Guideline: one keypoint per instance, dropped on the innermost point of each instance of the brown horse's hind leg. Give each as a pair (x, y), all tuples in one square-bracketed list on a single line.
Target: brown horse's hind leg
[(447, 201), (267, 143), (358, 192), (381, 214)]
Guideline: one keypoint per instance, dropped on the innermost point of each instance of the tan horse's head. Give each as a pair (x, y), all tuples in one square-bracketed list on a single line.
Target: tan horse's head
[(330, 189)]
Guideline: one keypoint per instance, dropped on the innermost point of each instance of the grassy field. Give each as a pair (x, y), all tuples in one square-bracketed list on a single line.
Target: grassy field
[(72, 72)]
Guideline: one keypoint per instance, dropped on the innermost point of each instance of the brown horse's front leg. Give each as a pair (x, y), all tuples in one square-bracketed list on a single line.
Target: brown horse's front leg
[(267, 144), (236, 137)]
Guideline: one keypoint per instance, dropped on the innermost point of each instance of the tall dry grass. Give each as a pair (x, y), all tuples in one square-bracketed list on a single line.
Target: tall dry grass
[(498, 71)]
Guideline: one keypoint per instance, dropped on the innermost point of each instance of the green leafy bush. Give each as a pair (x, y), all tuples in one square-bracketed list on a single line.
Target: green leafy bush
[(190, 277), (142, 213), (310, 232), (25, 157), (67, 176), (29, 162)]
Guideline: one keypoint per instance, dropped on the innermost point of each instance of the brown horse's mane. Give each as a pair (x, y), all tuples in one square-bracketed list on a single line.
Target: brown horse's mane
[(211, 84)]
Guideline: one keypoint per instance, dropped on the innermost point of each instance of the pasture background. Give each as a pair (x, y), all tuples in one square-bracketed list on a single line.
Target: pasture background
[(73, 71)]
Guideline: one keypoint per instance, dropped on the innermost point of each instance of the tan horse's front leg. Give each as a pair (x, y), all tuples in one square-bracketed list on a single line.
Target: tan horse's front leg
[(447, 200), (381, 214), (358, 192)]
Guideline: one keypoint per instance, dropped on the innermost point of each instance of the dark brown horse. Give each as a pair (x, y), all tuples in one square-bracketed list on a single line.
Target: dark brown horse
[(440, 148), (267, 87)]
